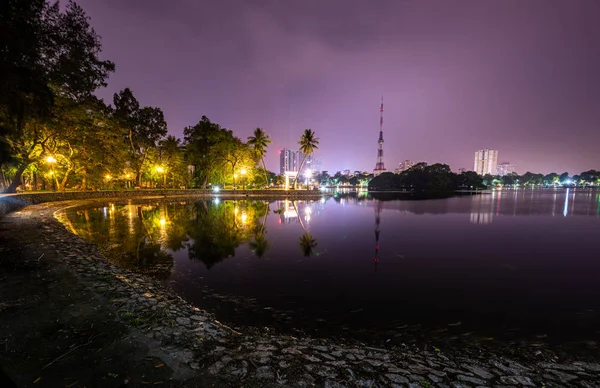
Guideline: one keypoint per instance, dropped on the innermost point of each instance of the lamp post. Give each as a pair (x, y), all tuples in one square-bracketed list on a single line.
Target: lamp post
[(243, 172), (108, 178), (52, 161)]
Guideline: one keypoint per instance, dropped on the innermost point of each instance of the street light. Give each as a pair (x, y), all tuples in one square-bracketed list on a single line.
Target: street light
[(52, 161), (243, 172), (161, 170), (307, 175)]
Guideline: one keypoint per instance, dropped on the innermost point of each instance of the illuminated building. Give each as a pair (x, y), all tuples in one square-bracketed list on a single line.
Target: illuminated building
[(485, 162), (505, 168), (403, 166)]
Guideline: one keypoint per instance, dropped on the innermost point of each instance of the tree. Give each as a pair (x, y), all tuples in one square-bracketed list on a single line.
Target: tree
[(203, 148), (143, 128), (259, 143), (308, 143), (563, 178), (550, 179), (46, 54), (590, 177), (237, 154), (170, 157)]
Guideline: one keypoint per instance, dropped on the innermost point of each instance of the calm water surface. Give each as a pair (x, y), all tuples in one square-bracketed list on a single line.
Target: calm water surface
[(512, 263)]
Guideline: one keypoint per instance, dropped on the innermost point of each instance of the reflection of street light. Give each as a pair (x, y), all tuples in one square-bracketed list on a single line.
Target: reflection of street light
[(52, 161), (243, 172)]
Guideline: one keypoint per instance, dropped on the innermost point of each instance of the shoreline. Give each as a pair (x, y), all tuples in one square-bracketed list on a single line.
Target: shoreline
[(194, 345)]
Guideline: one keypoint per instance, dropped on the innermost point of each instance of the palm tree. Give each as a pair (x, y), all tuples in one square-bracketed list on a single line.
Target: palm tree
[(308, 143), (260, 142)]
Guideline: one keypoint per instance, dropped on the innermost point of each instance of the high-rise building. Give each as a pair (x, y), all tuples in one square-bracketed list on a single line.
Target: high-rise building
[(505, 168), (290, 161), (485, 162), (403, 166), (313, 164)]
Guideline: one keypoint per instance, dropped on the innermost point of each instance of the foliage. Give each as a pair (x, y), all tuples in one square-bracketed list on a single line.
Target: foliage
[(47, 56), (259, 142), (426, 178), (308, 144)]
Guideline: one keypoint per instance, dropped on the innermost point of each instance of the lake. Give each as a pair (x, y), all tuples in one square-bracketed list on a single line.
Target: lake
[(515, 264)]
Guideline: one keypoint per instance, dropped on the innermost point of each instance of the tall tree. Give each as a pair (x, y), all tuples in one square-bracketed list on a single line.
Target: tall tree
[(202, 148), (171, 158), (143, 127), (308, 144), (260, 142), (45, 54)]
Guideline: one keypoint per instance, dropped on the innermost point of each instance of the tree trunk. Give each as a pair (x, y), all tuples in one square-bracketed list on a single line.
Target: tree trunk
[(84, 180), (16, 182), (266, 173), (4, 182), (298, 174), (63, 184)]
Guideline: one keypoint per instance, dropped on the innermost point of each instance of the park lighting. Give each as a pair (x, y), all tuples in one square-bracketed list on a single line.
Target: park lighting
[(216, 189), (160, 170), (108, 177), (50, 160)]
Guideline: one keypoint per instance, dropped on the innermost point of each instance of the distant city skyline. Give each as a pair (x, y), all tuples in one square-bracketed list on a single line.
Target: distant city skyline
[(520, 76)]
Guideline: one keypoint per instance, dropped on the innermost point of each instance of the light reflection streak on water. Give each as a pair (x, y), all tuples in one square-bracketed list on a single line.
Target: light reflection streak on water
[(566, 208)]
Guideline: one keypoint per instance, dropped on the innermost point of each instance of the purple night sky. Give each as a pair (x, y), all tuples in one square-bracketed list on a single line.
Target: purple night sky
[(522, 77)]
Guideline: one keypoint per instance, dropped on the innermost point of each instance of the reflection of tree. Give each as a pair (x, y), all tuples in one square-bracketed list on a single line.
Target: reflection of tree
[(218, 228), (131, 235), (260, 245), (307, 242), (138, 236)]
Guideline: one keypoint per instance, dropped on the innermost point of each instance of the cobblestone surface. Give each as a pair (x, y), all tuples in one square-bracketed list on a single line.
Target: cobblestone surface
[(257, 357)]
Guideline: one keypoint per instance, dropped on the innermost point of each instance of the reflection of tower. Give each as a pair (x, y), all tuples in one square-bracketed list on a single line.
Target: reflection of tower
[(378, 206), (379, 167)]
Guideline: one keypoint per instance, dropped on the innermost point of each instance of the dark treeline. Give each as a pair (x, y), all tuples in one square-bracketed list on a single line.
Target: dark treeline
[(56, 134), (529, 179), (439, 178), (424, 178)]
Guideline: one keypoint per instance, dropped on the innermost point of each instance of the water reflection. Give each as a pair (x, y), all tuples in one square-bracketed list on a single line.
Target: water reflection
[(482, 209), (144, 236), (442, 270), (378, 207)]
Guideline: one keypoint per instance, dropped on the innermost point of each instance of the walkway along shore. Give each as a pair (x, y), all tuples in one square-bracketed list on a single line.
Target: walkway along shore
[(70, 318)]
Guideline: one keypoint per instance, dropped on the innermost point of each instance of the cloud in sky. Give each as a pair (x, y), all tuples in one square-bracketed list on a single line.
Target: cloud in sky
[(517, 76)]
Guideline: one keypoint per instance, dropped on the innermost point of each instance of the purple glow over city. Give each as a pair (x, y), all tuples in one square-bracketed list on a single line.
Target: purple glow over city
[(520, 77)]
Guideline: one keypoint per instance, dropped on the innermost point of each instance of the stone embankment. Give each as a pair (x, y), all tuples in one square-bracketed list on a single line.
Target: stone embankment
[(192, 343), (11, 202)]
